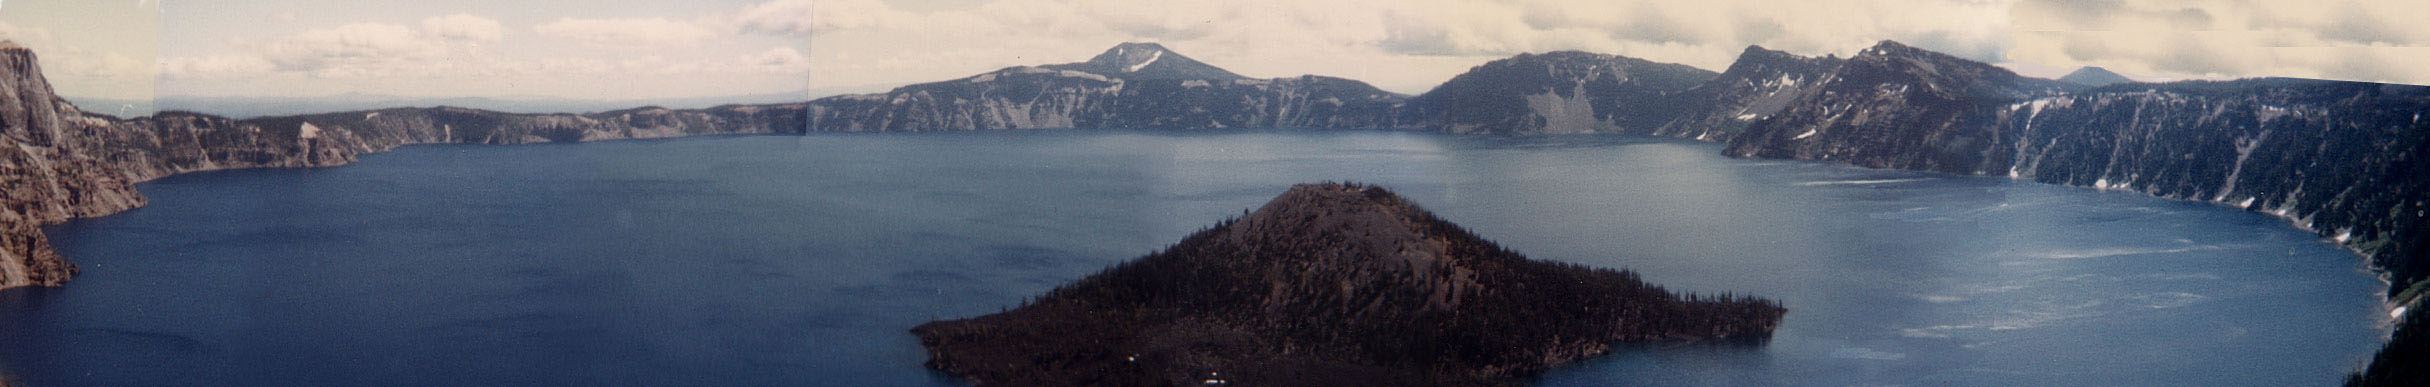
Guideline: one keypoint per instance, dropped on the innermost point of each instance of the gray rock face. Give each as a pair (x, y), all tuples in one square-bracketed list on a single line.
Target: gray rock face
[(1558, 92), (59, 163), (1760, 83), (2344, 160), (1894, 106), (2341, 159), (1134, 85)]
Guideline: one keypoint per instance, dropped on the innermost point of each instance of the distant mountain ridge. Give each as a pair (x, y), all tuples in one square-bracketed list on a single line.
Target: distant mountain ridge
[(249, 107), (1132, 85), (2094, 76)]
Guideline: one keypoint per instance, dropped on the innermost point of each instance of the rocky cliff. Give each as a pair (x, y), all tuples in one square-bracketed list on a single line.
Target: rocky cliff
[(1760, 83), (1133, 85), (2341, 159), (1558, 92), (2344, 160), (59, 163), (1329, 284), (1893, 106)]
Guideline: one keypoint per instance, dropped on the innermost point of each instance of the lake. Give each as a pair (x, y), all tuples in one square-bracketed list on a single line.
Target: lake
[(804, 260)]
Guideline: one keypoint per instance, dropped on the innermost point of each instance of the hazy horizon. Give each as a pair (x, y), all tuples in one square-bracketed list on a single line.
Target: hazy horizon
[(643, 50)]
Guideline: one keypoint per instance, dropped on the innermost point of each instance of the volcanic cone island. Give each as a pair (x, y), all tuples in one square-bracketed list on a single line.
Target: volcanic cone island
[(1330, 284)]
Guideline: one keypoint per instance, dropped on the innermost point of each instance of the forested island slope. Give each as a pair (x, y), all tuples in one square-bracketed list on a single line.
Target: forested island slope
[(1330, 284)]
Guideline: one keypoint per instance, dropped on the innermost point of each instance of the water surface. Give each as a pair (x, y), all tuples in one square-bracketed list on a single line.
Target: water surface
[(804, 260)]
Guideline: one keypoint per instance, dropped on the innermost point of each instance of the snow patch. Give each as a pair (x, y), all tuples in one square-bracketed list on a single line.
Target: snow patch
[(1808, 133), (1194, 83), (1082, 75), (1152, 57), (307, 131)]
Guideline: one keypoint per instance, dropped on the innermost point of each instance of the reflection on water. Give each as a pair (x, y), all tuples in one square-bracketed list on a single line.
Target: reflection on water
[(804, 260)]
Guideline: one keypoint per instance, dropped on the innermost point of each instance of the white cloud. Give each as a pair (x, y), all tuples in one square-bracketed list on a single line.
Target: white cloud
[(61, 60), (32, 37), (1415, 43), (354, 50), (463, 27), (784, 17), (214, 67), (775, 60), (283, 16), (2160, 40), (626, 33)]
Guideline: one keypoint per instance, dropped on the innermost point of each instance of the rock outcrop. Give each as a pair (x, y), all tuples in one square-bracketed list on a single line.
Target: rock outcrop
[(1329, 284), (1760, 83), (1893, 106)]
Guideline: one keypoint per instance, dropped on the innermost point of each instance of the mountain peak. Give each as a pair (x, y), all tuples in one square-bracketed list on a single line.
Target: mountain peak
[(2094, 76), (1372, 227), (1889, 47), (1146, 60)]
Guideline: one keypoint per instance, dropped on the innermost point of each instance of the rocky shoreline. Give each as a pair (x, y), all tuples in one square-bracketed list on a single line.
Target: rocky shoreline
[(60, 163)]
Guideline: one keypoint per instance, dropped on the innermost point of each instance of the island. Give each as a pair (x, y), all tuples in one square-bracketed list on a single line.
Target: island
[(1331, 284)]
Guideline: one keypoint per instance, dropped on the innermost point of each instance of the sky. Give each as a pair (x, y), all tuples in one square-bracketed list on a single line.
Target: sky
[(615, 49)]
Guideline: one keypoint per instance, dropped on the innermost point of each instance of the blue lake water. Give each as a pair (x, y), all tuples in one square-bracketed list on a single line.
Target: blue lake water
[(805, 260)]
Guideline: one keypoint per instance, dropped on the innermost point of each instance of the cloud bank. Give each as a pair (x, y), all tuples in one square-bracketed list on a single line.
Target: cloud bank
[(1406, 45)]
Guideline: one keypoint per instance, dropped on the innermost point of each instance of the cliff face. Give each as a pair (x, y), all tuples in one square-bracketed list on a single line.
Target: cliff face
[(1558, 92), (59, 163), (1760, 83), (1134, 85), (2340, 159), (47, 171), (2344, 160), (1893, 106), (1329, 283)]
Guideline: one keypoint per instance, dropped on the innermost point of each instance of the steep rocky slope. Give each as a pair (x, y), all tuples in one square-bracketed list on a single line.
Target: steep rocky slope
[(2343, 160), (1760, 83), (1329, 284), (1133, 85), (1893, 106), (1558, 92), (58, 163)]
